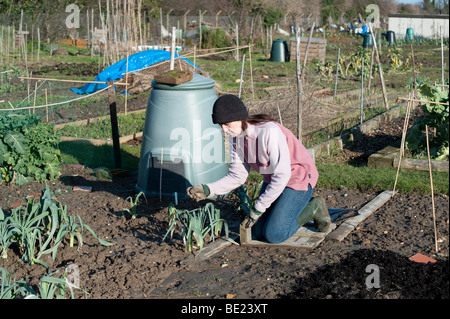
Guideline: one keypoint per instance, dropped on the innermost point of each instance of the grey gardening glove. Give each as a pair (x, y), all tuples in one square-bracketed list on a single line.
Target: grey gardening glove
[(251, 219), (198, 192)]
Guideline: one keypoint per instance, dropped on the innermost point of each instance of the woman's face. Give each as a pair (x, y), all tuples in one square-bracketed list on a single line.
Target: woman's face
[(232, 128)]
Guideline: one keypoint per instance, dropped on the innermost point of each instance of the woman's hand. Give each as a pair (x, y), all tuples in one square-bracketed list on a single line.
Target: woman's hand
[(198, 192), (251, 219)]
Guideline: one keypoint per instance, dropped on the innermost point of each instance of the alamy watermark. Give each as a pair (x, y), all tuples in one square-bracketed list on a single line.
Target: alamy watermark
[(374, 16), (73, 275), (73, 19), (373, 280)]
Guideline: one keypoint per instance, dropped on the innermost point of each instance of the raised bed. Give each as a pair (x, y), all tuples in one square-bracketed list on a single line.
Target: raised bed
[(390, 157), (97, 142), (354, 134)]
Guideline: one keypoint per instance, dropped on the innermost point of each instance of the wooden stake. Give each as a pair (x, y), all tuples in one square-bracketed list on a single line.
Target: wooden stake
[(39, 43), (160, 173), (114, 125), (91, 36), (126, 86), (242, 74), (161, 25), (299, 84), (370, 71), (46, 104), (442, 57), (432, 190), (172, 50), (71, 81), (337, 72), (306, 51), (402, 145), (379, 67), (195, 49), (362, 91), (414, 69), (237, 42), (139, 21), (251, 71), (34, 99)]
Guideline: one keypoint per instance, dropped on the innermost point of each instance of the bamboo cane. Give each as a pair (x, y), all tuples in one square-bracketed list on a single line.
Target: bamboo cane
[(432, 190), (379, 67), (370, 70), (402, 145), (70, 81), (34, 99), (46, 104), (299, 85), (251, 71), (414, 68)]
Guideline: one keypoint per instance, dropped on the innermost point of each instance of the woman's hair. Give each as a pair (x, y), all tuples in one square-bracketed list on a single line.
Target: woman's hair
[(256, 119)]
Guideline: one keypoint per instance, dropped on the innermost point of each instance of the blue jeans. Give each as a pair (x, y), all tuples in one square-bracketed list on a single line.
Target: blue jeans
[(279, 222)]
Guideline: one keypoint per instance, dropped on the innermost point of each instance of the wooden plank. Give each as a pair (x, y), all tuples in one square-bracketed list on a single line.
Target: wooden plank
[(422, 165), (217, 245), (211, 249), (350, 224), (173, 77)]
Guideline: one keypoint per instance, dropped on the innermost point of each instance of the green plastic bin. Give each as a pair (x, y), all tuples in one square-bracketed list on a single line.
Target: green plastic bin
[(181, 146), (390, 38), (410, 34), (279, 51)]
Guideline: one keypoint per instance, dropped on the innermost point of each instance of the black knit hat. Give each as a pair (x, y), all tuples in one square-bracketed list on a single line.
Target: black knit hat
[(228, 108)]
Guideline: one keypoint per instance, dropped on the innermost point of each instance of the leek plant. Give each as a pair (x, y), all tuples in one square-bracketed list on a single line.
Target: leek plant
[(6, 235), (49, 287), (248, 196), (76, 230), (198, 226), (39, 227), (35, 228), (54, 288), (10, 288), (134, 203)]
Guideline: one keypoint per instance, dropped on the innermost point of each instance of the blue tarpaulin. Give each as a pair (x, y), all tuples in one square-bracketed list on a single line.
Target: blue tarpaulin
[(116, 71)]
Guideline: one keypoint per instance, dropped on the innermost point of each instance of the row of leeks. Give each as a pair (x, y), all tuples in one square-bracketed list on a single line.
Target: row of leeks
[(39, 227), (49, 287), (198, 226)]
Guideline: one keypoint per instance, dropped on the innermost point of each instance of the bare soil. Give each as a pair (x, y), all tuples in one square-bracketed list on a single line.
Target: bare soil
[(140, 265)]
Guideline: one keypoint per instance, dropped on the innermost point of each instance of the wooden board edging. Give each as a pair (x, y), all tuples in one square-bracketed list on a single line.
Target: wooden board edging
[(350, 224)]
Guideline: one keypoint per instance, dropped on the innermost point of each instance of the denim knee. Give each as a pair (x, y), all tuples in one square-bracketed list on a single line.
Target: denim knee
[(275, 237)]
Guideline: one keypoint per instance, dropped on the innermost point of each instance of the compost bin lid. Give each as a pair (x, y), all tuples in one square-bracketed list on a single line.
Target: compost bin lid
[(198, 82)]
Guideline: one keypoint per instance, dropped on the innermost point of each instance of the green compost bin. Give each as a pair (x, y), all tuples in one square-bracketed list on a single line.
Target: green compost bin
[(410, 34), (181, 146), (390, 38), (279, 51)]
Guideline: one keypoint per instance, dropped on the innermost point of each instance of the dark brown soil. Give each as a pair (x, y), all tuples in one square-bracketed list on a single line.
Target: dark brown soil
[(140, 265)]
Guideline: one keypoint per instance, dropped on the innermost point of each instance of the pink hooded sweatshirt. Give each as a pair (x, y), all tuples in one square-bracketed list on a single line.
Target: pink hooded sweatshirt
[(274, 152)]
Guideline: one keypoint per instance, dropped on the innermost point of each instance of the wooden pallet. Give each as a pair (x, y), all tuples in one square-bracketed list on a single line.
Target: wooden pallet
[(306, 237), (174, 77)]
